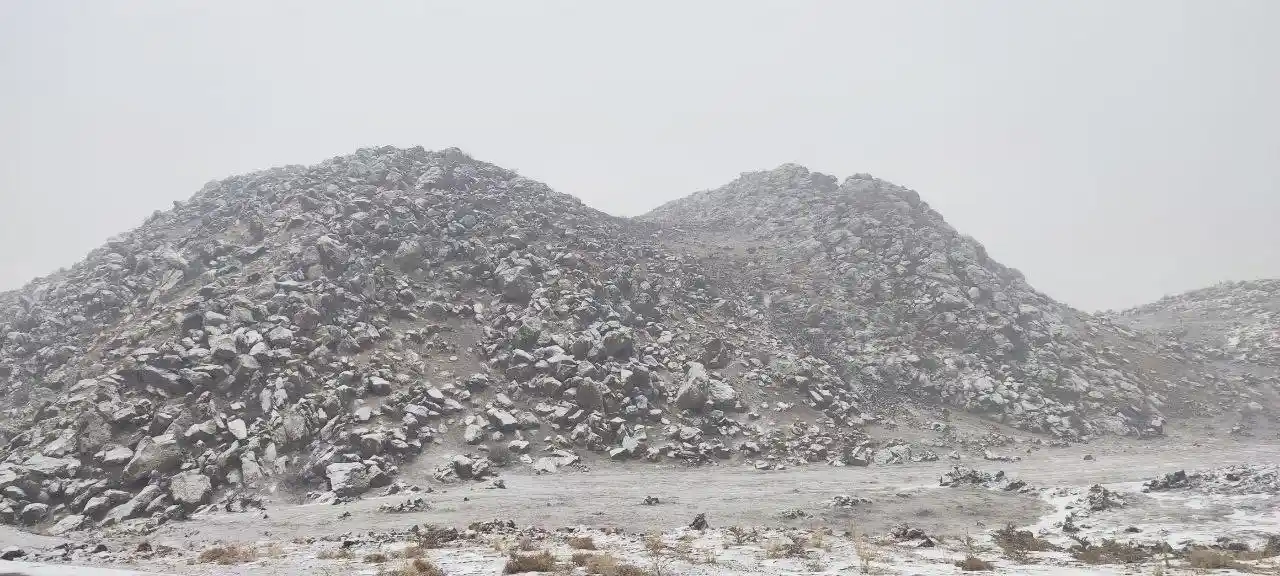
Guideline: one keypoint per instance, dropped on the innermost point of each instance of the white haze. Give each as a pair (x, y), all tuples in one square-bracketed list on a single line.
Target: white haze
[(1113, 151)]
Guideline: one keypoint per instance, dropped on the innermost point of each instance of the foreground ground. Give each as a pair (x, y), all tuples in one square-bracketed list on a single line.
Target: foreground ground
[(813, 519)]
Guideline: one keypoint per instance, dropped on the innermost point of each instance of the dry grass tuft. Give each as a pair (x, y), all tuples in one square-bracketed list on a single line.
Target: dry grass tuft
[(229, 554), (973, 563), (540, 562), (1019, 544), (1210, 559), (339, 554), (796, 547), (582, 543), (742, 536), (606, 565), (418, 567), (1110, 551)]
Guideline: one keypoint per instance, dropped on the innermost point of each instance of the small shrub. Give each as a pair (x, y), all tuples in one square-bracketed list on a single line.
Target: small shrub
[(582, 543), (500, 454), (340, 553), (866, 554), (540, 562), (1210, 559), (1018, 544), (659, 561), (1272, 547), (973, 563), (1110, 551), (742, 536), (796, 547), (418, 567), (433, 537), (229, 554)]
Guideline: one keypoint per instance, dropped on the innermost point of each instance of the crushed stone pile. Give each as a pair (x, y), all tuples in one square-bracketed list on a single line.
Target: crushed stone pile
[(1233, 480), (872, 279), (313, 328)]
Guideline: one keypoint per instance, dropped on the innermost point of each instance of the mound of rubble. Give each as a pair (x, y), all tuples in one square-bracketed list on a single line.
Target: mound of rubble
[(1224, 342), (1230, 321), (312, 328), (960, 476), (871, 279), (1234, 480)]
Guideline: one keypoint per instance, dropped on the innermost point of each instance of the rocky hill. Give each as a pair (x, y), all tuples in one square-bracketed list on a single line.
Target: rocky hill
[(1234, 321), (314, 328), (885, 290), (1226, 338)]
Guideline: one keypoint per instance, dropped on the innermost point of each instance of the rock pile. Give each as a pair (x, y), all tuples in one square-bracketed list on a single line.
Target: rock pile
[(1229, 480), (320, 325), (871, 279), (960, 476)]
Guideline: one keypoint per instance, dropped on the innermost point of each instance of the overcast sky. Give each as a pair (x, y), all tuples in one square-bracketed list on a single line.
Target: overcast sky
[(1114, 151)]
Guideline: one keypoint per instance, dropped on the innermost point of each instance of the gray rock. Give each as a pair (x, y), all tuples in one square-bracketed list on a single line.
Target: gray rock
[(347, 479), (34, 513), (190, 489), (238, 429), (158, 455), (117, 456), (67, 524), (134, 507)]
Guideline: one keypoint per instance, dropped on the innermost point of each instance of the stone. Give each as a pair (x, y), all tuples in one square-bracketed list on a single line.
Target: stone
[(473, 434), (238, 429), (67, 524), (223, 347), (190, 489), (117, 456), (134, 507), (348, 479), (158, 455), (34, 513)]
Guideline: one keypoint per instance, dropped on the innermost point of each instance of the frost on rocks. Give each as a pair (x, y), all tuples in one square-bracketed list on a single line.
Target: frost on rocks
[(326, 324)]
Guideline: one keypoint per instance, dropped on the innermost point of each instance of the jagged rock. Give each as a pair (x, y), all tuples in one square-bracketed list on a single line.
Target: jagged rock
[(245, 331), (190, 489), (238, 429), (348, 479), (158, 455), (34, 512), (133, 507), (67, 524), (117, 456)]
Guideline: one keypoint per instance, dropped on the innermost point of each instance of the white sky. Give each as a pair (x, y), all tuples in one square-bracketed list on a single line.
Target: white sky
[(1112, 151)]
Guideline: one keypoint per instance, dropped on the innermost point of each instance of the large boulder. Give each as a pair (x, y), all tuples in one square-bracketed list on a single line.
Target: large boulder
[(700, 389), (134, 506), (34, 512), (67, 524), (160, 454), (347, 478), (190, 489)]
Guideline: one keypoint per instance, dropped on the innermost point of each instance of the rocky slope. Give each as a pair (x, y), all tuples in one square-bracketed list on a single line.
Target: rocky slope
[(314, 328), (1227, 338), (879, 285), (1234, 321)]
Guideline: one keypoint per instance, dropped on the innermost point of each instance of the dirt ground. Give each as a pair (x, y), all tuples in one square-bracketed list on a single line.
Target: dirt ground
[(610, 496)]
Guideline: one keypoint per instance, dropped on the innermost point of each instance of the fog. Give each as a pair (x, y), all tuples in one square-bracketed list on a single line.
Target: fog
[(1114, 152)]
